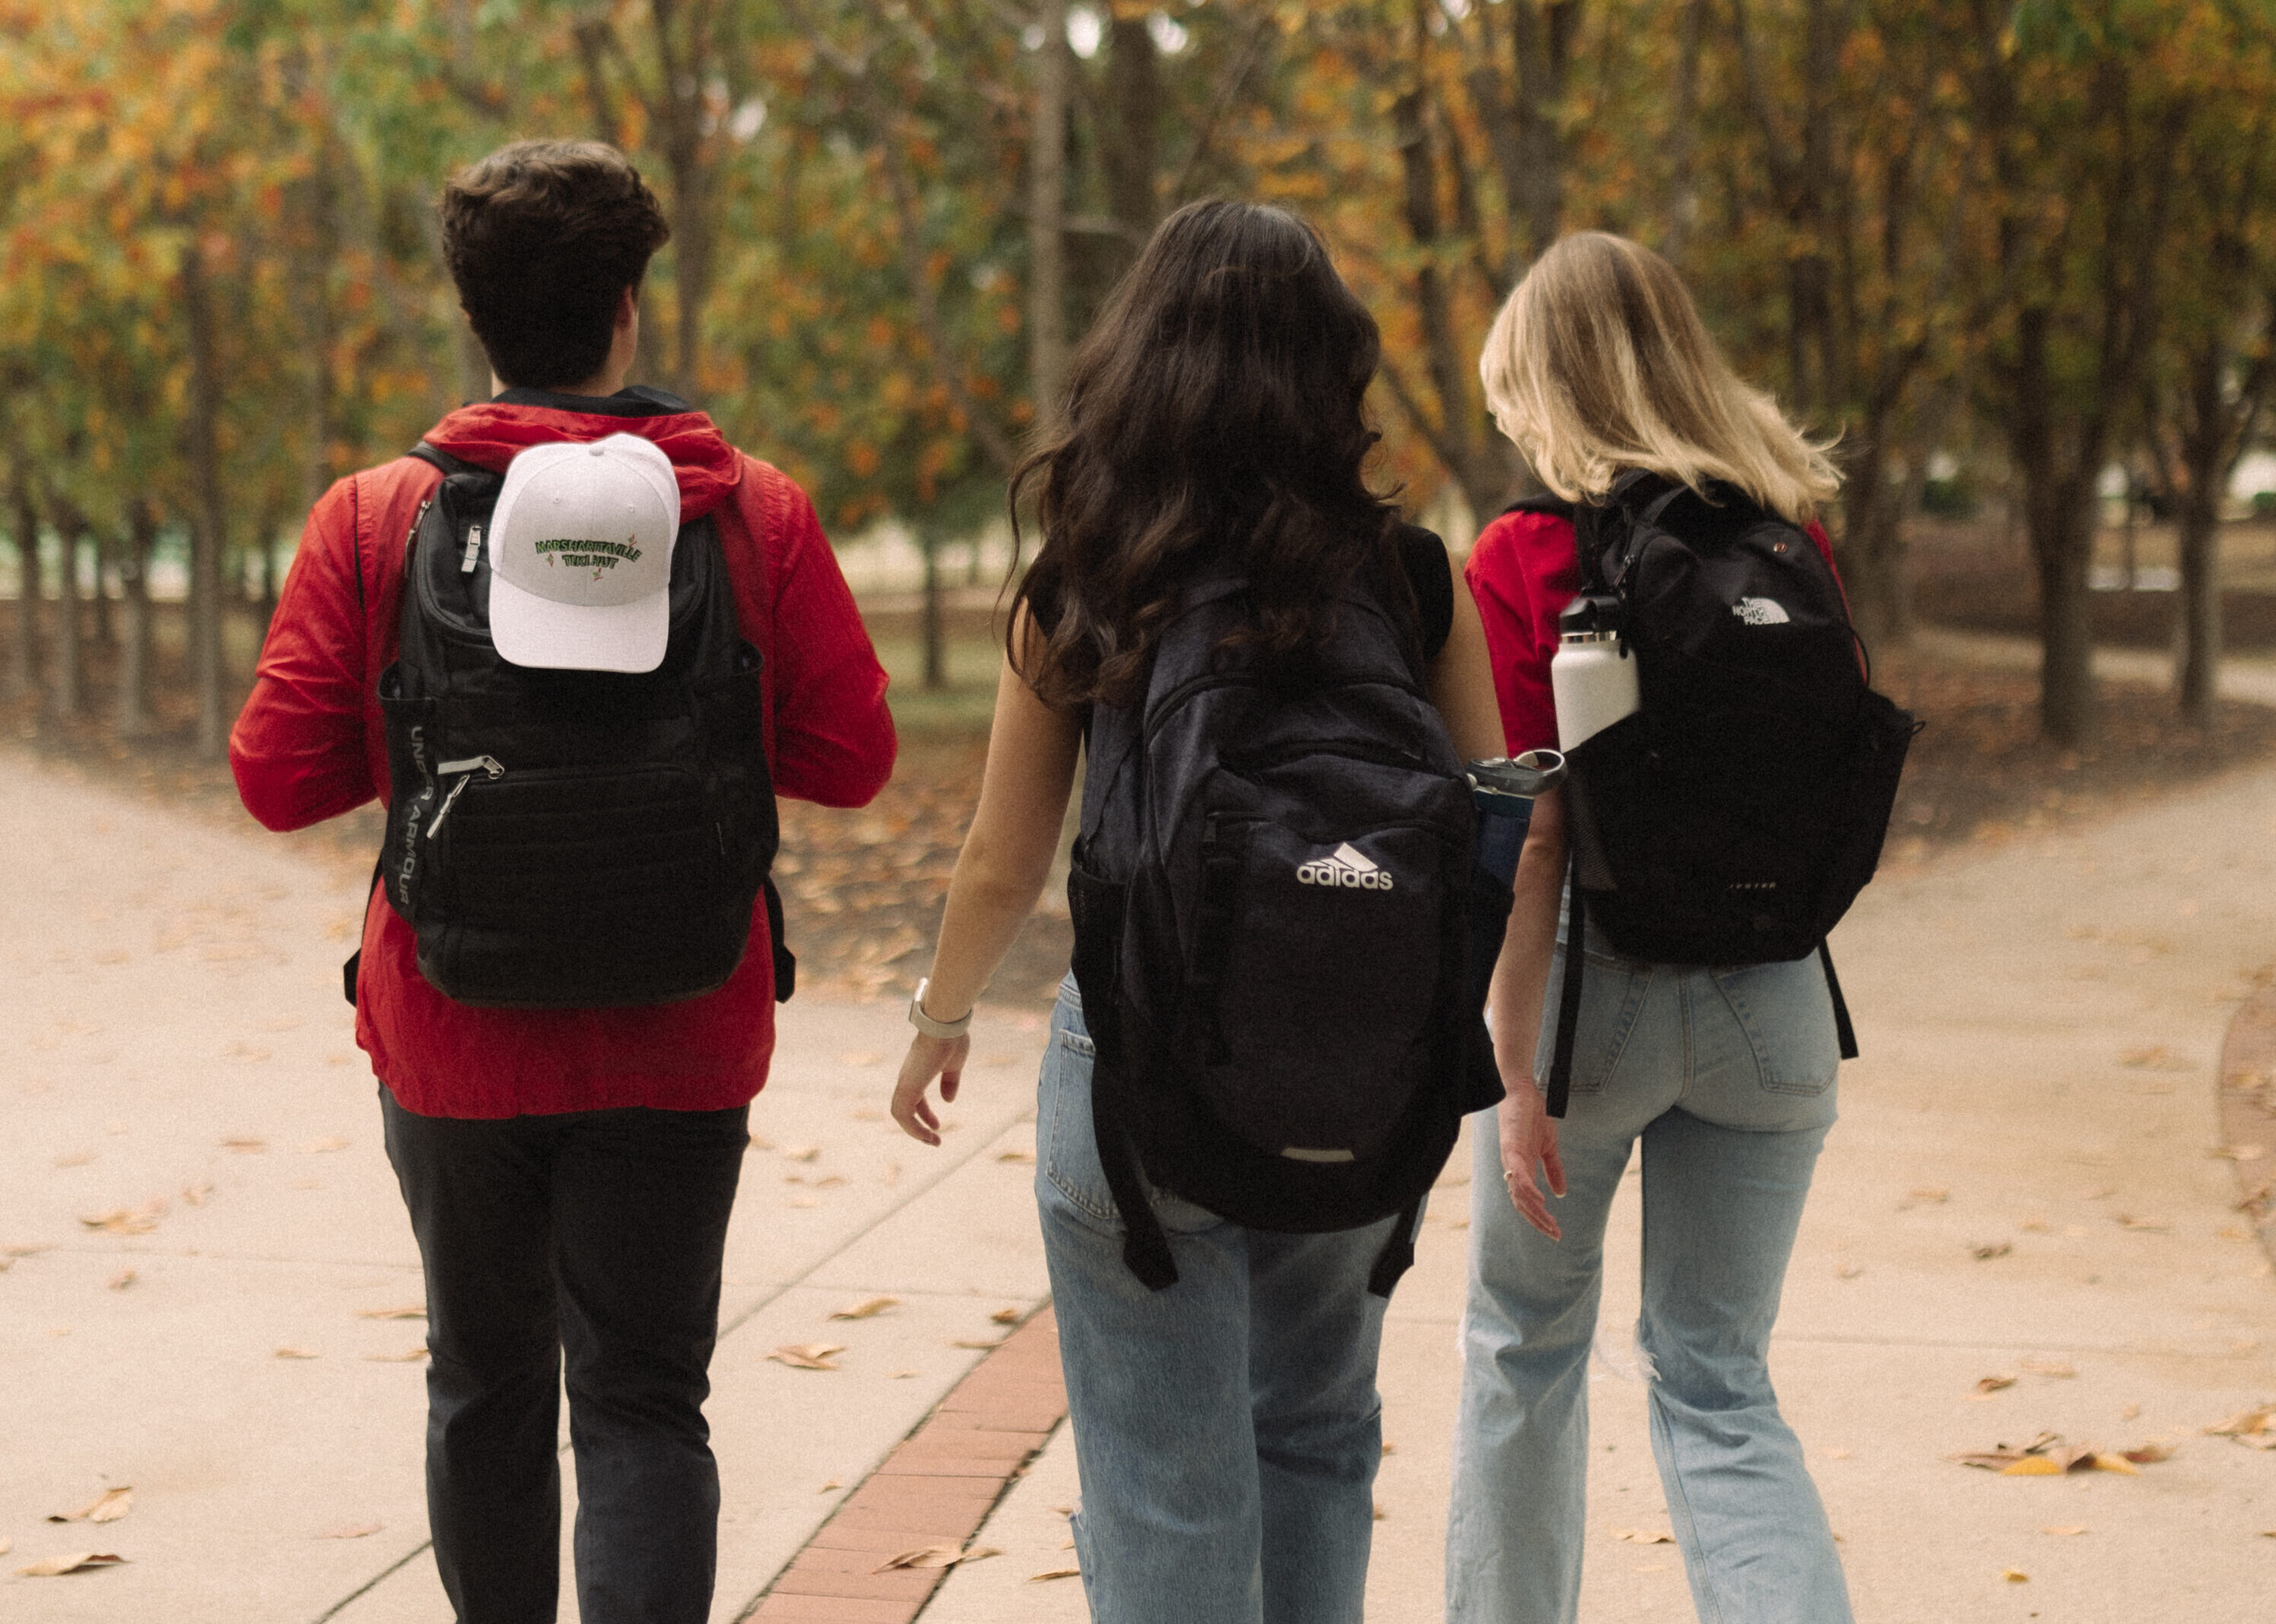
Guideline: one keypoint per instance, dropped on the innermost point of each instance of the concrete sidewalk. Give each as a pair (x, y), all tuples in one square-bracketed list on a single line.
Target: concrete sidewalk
[(2040, 1023)]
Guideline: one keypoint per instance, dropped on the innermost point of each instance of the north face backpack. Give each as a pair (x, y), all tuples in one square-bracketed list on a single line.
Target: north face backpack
[(1734, 817), (1276, 903), (572, 839)]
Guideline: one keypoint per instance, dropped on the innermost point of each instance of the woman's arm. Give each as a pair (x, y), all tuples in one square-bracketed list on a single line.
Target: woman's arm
[(1461, 687), (1007, 857)]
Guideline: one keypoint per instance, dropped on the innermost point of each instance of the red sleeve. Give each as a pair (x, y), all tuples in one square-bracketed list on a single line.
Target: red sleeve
[(299, 748), (831, 734), (1522, 571)]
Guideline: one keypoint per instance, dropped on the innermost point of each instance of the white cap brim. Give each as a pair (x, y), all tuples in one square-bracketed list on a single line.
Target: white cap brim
[(533, 631)]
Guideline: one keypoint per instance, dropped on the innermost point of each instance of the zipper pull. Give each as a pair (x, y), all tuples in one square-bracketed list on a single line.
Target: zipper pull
[(488, 766), (473, 553)]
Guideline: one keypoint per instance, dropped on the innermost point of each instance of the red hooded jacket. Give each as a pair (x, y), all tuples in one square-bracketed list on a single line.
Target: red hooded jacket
[(310, 745)]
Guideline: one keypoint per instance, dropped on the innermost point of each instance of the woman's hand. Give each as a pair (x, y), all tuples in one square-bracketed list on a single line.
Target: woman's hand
[(1529, 1148), (929, 1058)]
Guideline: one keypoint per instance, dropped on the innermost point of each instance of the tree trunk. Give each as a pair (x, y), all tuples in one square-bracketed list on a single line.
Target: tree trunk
[(2205, 459), (31, 586), (2059, 509), (106, 548), (207, 519), (683, 49), (935, 640), (1683, 137), (1542, 37), (1131, 152), (134, 719), (1869, 547), (1047, 341), (69, 695)]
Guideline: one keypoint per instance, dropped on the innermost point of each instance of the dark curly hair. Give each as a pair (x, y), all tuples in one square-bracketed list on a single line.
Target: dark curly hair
[(1214, 408), (543, 237)]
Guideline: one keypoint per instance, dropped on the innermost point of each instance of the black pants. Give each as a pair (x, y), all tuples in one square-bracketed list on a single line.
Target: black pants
[(598, 1233)]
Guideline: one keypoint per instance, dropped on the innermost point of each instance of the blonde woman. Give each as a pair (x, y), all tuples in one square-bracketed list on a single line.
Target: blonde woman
[(1598, 366)]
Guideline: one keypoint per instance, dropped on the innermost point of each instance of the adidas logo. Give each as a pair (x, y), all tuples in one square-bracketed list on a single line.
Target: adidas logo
[(1345, 867), (1762, 611)]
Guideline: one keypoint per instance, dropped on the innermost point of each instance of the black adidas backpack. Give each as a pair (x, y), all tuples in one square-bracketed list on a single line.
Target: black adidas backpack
[(1734, 817), (1280, 933), (572, 839)]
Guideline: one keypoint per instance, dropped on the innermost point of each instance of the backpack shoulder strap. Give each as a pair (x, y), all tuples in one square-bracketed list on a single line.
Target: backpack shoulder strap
[(442, 459), (1568, 991)]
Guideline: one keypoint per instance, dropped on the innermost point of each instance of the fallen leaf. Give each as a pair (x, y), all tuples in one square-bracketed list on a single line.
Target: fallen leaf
[(409, 1355), (1993, 1384), (119, 1221), (2148, 1455), (245, 1145), (2032, 1466), (940, 1553), (902, 1376), (2129, 1412), (864, 1113), (802, 1153), (1006, 1316), (2126, 1220), (860, 1057), (1935, 1194), (1379, 1513), (409, 1311), (1645, 1537), (107, 1506), (2015, 1575), (1848, 1271), (351, 1530), (124, 1278), (1016, 1155), (808, 1355), (1986, 1251), (2037, 1226), (294, 1353), (2105, 1462), (2050, 1367), (2064, 1533), (802, 1201), (6, 1544), (826, 1488), (976, 1343), (11, 1253), (2155, 1058), (79, 1561), (319, 1147), (868, 1308), (2248, 1426), (194, 1194), (1076, 1572)]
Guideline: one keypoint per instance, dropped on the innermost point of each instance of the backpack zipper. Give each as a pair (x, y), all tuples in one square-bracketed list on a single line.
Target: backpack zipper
[(488, 766)]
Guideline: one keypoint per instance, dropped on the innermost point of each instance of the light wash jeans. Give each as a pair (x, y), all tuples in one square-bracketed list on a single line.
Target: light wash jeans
[(1227, 1428), (1728, 1077)]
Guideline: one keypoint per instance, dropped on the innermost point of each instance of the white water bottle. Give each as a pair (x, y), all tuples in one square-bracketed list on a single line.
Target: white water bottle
[(1594, 676)]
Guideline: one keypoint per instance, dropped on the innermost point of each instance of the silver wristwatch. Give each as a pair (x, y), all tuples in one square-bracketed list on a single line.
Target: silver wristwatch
[(929, 1026)]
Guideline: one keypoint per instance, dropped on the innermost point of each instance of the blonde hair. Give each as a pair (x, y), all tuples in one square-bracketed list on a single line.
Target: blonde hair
[(1599, 363)]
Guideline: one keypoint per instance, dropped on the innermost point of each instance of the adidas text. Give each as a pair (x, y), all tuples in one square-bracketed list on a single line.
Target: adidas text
[(1345, 867)]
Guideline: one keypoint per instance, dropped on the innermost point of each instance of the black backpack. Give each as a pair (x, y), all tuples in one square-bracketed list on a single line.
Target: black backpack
[(1737, 814), (572, 839), (1280, 933)]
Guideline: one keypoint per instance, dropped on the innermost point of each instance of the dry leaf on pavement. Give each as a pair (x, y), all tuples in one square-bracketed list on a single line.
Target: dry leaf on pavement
[(1986, 1386), (409, 1355), (2254, 1428), (2128, 1221), (2015, 1575), (1006, 1316), (1016, 1155), (246, 1144), (107, 1506), (940, 1553), (1645, 1537), (409, 1311), (119, 1221), (1055, 1573), (124, 1278), (1986, 1251), (868, 1308), (1934, 1195), (808, 1355), (194, 1194), (294, 1353), (974, 1342), (6, 1544), (2063, 1533), (351, 1530), (79, 1561), (802, 1153), (319, 1147)]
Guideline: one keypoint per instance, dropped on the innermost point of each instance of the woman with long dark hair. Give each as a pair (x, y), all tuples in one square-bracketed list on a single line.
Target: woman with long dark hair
[(1227, 1426)]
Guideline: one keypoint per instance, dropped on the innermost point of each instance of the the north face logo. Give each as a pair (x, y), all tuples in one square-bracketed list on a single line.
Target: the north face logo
[(1345, 867), (1762, 611)]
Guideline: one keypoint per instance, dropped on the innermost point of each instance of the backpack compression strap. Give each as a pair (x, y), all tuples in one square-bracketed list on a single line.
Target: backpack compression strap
[(1842, 1030), (1145, 1249), (1568, 990)]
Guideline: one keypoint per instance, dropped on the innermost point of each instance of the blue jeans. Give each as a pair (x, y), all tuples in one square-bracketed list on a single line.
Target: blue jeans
[(1227, 1428), (1728, 1077)]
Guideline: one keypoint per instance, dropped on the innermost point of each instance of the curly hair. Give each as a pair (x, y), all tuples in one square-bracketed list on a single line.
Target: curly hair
[(543, 237), (1215, 411)]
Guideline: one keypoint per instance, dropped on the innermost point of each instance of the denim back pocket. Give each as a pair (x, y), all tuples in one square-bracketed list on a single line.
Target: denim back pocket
[(1787, 1015), (1611, 993)]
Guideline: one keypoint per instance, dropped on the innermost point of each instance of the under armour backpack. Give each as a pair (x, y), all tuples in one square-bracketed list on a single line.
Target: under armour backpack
[(1278, 916), (572, 839), (1735, 815)]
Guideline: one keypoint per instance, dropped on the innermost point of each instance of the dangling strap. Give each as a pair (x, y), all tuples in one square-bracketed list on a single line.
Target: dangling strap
[(354, 965), (1145, 1249), (1568, 991), (1842, 1030), (785, 961), (1397, 1254)]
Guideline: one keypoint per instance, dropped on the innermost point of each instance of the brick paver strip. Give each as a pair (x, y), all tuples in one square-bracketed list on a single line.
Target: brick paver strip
[(939, 1484), (2247, 1114)]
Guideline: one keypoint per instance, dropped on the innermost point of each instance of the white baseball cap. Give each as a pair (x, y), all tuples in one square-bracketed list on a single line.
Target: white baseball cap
[(580, 556)]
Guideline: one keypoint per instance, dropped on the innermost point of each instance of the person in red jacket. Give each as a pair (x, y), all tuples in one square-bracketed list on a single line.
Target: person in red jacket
[(569, 1172)]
